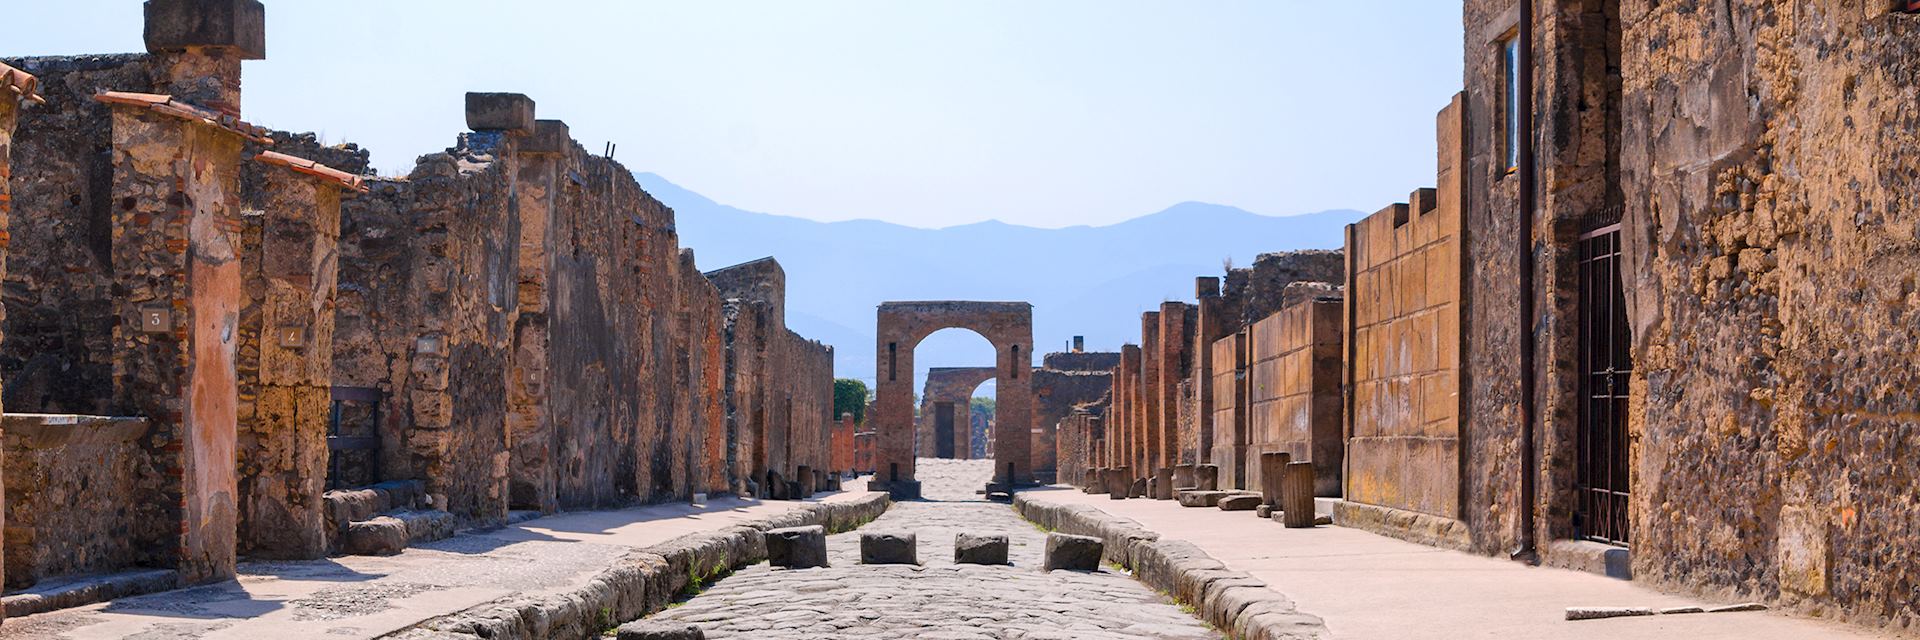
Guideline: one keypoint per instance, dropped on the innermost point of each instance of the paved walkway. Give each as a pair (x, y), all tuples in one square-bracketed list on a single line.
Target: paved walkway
[(1368, 586), (938, 599), (367, 596)]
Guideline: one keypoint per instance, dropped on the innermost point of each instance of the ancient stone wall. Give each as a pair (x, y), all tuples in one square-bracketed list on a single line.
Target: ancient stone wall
[(779, 385), (1080, 360), (290, 260), (1403, 362), (57, 355), (1059, 394), (1294, 403), (1227, 364), (1769, 159), (76, 500)]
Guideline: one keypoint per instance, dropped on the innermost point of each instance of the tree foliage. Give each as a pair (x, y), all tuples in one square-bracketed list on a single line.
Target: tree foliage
[(850, 396)]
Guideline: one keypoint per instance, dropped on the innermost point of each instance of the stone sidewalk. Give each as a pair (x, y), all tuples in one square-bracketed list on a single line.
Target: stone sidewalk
[(1367, 586), (370, 596)]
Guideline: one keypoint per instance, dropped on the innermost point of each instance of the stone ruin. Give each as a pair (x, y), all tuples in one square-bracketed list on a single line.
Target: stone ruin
[(225, 341)]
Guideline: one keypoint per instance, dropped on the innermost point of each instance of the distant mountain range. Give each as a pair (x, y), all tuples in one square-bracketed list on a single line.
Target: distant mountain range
[(1082, 280)]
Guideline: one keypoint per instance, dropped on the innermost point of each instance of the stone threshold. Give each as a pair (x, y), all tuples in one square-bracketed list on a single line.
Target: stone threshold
[(640, 583), (77, 591), (1234, 602)]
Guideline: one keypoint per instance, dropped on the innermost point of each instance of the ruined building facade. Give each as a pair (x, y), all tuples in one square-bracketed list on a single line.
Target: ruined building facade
[(222, 341), (1685, 355)]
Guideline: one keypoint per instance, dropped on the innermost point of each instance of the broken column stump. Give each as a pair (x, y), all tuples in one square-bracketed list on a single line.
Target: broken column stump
[(1163, 484), (1206, 477), (971, 548), (1073, 553), (889, 548), (1296, 495), (1240, 502), (797, 547), (1183, 478), (1273, 471), (1198, 498), (1119, 482)]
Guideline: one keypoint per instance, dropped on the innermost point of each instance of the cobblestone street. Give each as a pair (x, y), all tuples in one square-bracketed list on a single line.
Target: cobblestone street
[(937, 599)]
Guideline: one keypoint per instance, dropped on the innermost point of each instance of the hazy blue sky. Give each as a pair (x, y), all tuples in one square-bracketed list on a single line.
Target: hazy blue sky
[(928, 113)]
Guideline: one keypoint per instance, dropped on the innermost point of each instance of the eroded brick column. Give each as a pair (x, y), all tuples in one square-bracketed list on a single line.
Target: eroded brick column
[(1174, 340), (290, 264)]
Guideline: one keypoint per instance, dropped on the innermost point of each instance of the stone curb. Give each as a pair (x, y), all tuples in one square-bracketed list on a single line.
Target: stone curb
[(640, 583), (1234, 602)]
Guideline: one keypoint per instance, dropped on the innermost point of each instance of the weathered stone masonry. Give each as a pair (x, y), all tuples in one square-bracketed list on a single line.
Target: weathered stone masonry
[(1722, 250), (516, 312)]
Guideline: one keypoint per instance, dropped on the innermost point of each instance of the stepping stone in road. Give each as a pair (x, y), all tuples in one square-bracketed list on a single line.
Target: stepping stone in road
[(979, 549), (797, 547), (1073, 553), (889, 548)]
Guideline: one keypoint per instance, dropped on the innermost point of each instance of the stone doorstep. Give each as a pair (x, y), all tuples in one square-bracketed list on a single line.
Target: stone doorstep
[(77, 591), (644, 582), (1591, 557)]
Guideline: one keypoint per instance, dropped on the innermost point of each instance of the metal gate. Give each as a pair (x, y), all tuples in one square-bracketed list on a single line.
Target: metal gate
[(353, 438), (1606, 362)]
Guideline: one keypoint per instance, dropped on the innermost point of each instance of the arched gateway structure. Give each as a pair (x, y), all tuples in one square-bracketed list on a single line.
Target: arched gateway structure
[(946, 411), (902, 325)]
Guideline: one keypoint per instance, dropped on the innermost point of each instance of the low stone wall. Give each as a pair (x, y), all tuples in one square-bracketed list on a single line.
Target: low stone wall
[(74, 491), (643, 582), (1233, 601), (1412, 526)]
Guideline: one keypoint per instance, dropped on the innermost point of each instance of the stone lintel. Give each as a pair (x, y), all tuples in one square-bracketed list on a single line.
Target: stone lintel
[(179, 25), (512, 112)]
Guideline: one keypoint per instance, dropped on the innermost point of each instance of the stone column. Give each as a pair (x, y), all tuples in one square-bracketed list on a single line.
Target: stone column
[(532, 484), (289, 268)]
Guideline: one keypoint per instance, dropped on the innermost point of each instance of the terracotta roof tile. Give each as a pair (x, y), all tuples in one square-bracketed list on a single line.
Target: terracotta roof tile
[(20, 83), (162, 103), (315, 169)]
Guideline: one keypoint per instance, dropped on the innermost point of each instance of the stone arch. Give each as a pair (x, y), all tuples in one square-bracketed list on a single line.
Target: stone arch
[(949, 387), (1008, 326)]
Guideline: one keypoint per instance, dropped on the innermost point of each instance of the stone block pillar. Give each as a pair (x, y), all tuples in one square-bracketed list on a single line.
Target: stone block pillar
[(290, 265), (533, 484), (14, 86), (176, 256)]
